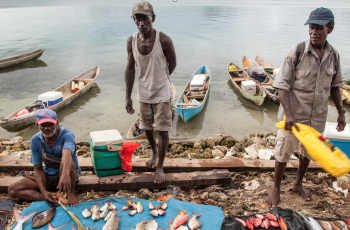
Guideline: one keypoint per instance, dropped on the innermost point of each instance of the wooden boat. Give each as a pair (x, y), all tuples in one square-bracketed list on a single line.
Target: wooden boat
[(21, 58), (268, 67), (237, 76), (15, 124), (187, 110), (130, 134), (266, 85)]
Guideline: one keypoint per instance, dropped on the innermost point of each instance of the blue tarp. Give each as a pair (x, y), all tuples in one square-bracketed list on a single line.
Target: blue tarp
[(211, 218)]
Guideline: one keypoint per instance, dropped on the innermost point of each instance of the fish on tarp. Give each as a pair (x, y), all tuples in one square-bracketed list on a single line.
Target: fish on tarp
[(241, 221), (109, 215), (282, 224), (171, 227), (129, 204), (21, 219), (154, 212), (134, 206), (307, 222), (104, 213), (139, 207), (180, 219), (249, 223), (93, 208), (266, 223), (163, 206), (161, 212), (74, 228), (151, 206), (257, 221), (182, 227), (275, 224), (140, 226), (151, 225), (270, 216), (96, 215), (44, 217), (315, 225), (105, 206), (334, 226), (86, 213), (325, 225), (194, 223), (53, 228), (341, 224), (260, 216), (112, 223), (111, 206), (132, 212)]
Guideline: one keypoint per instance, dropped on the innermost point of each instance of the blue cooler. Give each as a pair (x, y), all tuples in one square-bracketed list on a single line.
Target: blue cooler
[(339, 139), (50, 98)]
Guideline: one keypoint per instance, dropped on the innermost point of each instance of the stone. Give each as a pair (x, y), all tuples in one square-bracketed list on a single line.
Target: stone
[(85, 148), (4, 139), (218, 195), (17, 147), (215, 188), (176, 149), (5, 153), (259, 141), (196, 156), (17, 140), (216, 153), (145, 194), (221, 148), (246, 141), (220, 138), (197, 145), (343, 182), (207, 155), (251, 185), (205, 195), (239, 147), (229, 142), (251, 153), (210, 142), (203, 143), (26, 145)]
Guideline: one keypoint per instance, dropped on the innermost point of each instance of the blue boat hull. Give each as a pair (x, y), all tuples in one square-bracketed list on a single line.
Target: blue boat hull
[(188, 113)]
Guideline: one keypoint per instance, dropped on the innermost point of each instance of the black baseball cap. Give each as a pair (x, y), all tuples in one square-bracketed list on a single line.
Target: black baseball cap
[(320, 16)]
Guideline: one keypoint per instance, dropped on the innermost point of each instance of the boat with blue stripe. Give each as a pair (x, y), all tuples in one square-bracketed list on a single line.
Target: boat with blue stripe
[(191, 102)]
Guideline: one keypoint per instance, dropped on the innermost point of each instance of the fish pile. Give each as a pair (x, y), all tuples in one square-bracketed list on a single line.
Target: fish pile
[(135, 208), (98, 212), (42, 218), (180, 220), (158, 210), (314, 224), (147, 225), (264, 221)]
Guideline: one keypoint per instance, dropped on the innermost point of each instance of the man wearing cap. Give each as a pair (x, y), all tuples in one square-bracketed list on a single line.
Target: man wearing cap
[(153, 53), (309, 74), (55, 146)]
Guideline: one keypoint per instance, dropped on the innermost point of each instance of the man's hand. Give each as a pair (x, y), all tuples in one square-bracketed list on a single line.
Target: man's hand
[(49, 197), (290, 121), (128, 106), (64, 185), (341, 122)]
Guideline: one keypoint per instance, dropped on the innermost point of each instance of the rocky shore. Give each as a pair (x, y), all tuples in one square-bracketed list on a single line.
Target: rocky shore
[(245, 195)]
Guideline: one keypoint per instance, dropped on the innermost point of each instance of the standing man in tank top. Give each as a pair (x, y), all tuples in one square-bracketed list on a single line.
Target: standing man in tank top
[(154, 55)]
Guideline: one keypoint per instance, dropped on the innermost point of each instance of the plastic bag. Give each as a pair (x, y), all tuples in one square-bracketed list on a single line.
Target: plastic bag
[(320, 149), (22, 112), (126, 153)]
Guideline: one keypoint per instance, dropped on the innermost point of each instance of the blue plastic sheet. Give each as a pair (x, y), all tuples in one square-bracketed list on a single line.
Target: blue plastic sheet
[(211, 218)]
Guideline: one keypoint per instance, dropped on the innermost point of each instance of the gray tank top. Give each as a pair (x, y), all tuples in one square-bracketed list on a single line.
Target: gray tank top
[(154, 81)]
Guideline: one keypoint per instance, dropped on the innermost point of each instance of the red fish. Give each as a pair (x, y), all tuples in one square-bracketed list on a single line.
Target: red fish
[(161, 212), (270, 216), (266, 223), (283, 225), (250, 223), (257, 222), (241, 221), (347, 220), (274, 223), (180, 219), (262, 225), (126, 208), (260, 216)]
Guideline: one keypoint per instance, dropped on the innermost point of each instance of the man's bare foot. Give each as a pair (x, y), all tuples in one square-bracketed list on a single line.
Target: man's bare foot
[(160, 176), (274, 198), (72, 199), (151, 163), (61, 199), (306, 194)]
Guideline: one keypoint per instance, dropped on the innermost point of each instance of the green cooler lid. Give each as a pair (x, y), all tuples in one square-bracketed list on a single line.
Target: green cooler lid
[(102, 138)]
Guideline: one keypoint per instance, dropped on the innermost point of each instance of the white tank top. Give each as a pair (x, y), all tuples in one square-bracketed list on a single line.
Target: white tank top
[(154, 81)]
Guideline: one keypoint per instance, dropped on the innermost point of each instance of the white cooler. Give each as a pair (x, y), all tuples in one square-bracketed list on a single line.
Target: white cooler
[(50, 98), (197, 82), (249, 87), (339, 139)]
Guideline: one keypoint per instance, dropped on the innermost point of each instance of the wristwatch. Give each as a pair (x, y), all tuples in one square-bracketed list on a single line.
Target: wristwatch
[(341, 111)]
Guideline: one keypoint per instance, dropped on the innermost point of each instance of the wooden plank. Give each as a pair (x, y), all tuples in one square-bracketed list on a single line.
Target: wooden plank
[(11, 163), (131, 182)]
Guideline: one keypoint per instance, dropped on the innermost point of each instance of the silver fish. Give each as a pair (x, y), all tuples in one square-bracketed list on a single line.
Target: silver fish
[(164, 206), (93, 208), (21, 219), (154, 212), (96, 215), (104, 214), (325, 225), (151, 206), (315, 225), (307, 222), (108, 216), (112, 223), (105, 206), (139, 207), (171, 227), (194, 223), (151, 225), (182, 227), (141, 226), (132, 212), (86, 213), (111, 206)]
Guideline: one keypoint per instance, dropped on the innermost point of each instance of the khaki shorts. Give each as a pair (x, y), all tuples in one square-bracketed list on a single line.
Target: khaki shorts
[(155, 116), (286, 144)]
